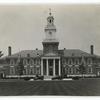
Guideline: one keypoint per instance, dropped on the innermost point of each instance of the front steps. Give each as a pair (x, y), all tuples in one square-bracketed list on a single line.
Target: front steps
[(48, 77)]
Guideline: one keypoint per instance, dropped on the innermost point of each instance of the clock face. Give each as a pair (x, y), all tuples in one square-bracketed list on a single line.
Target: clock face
[(50, 33)]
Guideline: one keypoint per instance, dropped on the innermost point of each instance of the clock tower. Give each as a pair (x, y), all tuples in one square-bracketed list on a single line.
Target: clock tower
[(50, 43)]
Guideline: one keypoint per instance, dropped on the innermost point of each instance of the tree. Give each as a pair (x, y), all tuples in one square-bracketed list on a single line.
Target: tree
[(1, 54)]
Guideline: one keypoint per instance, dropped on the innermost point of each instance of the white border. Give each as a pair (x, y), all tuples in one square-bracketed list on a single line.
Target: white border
[(12, 2), (49, 1)]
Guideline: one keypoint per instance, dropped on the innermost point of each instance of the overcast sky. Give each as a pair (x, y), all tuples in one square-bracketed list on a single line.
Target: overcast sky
[(22, 26)]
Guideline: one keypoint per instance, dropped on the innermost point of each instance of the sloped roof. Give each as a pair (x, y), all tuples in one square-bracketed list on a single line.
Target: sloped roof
[(76, 53), (65, 53), (25, 53)]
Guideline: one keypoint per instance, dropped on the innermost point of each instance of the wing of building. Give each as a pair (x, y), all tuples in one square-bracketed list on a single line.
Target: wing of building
[(50, 61)]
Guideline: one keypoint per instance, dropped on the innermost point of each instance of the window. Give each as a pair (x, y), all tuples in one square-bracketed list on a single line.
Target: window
[(12, 70), (12, 62), (90, 70), (25, 71), (31, 62), (70, 61), (66, 70), (89, 61), (34, 61), (69, 70), (38, 61), (64, 61), (25, 62), (76, 61), (34, 70), (31, 71), (75, 70)]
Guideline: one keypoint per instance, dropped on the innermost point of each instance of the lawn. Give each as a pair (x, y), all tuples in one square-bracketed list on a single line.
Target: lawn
[(88, 87)]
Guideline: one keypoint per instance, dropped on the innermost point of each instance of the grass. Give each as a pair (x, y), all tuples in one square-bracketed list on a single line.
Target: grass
[(88, 87)]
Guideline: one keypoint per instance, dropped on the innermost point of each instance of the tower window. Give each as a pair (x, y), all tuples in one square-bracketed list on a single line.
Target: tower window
[(50, 32), (50, 21)]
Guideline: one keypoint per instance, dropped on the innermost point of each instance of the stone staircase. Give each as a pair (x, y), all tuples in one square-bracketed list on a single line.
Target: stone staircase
[(48, 77)]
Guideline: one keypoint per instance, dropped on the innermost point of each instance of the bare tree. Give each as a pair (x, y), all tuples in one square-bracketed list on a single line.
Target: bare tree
[(1, 54)]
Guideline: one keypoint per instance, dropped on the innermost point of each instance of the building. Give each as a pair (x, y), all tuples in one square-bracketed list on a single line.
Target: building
[(51, 61)]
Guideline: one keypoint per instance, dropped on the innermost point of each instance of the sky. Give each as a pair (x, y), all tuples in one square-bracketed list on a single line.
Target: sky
[(22, 26)]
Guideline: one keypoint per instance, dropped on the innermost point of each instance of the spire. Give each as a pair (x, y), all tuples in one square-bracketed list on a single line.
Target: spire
[(50, 19), (50, 11)]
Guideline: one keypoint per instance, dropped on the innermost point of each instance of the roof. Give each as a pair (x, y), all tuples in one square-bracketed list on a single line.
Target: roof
[(76, 53), (26, 53), (64, 52)]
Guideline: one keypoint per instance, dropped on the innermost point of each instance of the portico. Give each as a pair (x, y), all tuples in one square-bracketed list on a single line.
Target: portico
[(50, 66)]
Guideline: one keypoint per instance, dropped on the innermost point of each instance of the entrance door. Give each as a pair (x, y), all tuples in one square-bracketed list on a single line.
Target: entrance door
[(50, 62), (51, 70)]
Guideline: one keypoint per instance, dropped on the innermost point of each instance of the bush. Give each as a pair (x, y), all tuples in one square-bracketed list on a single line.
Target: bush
[(57, 77), (38, 77), (75, 78), (26, 78)]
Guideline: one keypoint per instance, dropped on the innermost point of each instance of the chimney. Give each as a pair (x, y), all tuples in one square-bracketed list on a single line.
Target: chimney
[(36, 48), (9, 51), (92, 49)]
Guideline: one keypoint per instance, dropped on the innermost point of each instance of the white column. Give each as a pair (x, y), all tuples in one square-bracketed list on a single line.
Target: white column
[(59, 68), (41, 66), (53, 67), (47, 66)]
